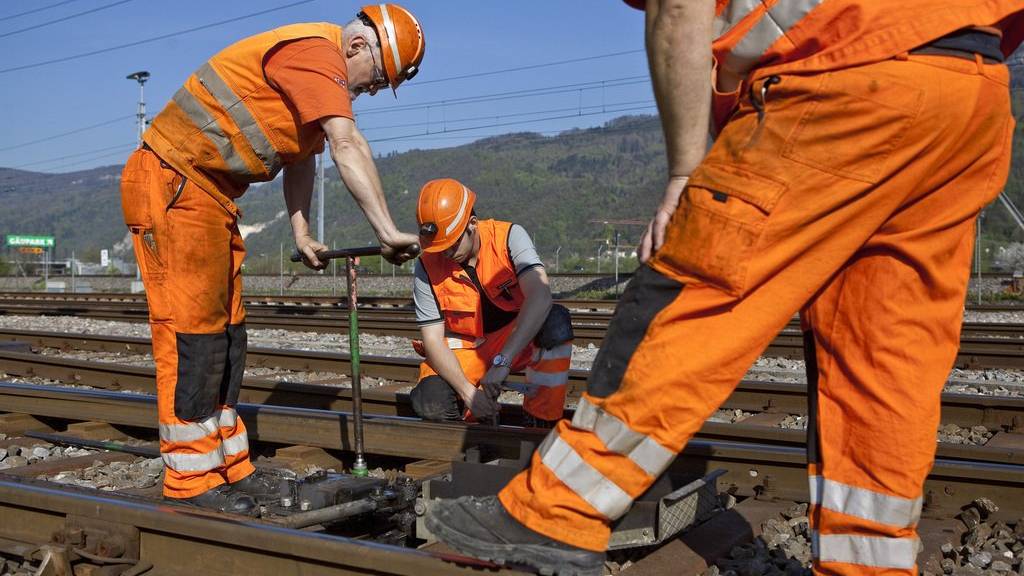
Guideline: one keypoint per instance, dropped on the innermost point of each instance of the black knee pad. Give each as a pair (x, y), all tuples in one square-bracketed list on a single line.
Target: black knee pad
[(557, 328), (434, 399)]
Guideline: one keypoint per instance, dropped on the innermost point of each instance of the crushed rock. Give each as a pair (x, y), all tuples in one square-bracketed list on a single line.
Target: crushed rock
[(987, 548), (782, 549), (141, 472)]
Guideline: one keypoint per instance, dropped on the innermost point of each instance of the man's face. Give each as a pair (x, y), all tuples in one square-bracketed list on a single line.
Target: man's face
[(365, 70), (463, 248)]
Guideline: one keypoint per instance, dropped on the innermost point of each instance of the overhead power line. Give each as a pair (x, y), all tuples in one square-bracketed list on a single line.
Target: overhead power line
[(153, 39), (34, 10), (68, 133), (67, 156), (65, 18), (546, 91), (525, 67)]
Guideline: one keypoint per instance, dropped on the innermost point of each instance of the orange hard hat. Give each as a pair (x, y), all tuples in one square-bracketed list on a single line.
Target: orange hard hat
[(443, 212), (401, 40)]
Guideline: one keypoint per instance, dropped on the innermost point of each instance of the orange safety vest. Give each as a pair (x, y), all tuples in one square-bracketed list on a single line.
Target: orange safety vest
[(227, 127), (458, 296), (758, 38)]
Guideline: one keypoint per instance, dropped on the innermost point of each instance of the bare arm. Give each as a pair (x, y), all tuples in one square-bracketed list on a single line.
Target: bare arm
[(443, 361), (536, 305), (679, 55), (351, 154), (298, 189)]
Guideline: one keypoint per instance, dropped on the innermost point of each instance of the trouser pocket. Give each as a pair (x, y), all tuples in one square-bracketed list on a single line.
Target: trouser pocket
[(717, 226), (202, 363)]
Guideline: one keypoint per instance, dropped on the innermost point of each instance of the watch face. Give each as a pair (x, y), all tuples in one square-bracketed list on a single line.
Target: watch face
[(498, 360)]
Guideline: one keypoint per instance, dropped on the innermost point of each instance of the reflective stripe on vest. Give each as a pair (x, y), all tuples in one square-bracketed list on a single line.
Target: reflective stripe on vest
[(243, 118), (192, 431), (645, 452), (872, 551), (772, 24), (582, 478), (546, 379), (864, 503)]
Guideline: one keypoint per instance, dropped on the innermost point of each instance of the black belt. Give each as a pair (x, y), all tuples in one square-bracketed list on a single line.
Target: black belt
[(965, 44)]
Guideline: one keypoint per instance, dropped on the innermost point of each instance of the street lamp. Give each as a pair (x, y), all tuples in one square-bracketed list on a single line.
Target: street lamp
[(141, 76)]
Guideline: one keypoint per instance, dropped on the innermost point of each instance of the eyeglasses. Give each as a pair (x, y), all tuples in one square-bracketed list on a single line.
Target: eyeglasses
[(380, 80)]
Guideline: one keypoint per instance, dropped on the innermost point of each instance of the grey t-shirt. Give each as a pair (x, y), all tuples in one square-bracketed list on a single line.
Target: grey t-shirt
[(428, 311)]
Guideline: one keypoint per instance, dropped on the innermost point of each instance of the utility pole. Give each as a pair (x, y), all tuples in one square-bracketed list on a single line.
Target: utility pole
[(557, 269), (616, 261), (141, 76), (600, 248), (320, 200)]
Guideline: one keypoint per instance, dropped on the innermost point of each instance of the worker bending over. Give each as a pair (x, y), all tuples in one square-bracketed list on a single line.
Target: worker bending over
[(484, 309), (857, 140), (262, 104)]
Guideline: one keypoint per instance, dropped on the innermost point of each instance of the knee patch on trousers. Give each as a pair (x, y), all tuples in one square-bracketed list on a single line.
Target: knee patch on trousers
[(434, 399), (557, 328), (210, 370)]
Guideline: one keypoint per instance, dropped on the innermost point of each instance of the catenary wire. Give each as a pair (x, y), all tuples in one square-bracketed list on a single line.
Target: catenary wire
[(525, 67), (153, 39), (68, 133), (65, 18), (34, 10)]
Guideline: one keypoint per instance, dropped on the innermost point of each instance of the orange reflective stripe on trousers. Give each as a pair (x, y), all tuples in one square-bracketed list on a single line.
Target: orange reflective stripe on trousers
[(854, 199), (190, 253)]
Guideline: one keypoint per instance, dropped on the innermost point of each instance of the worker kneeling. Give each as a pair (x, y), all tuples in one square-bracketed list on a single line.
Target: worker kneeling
[(484, 309)]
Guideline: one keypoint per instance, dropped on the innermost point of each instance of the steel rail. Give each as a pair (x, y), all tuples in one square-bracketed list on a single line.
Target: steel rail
[(750, 395), (782, 398), (764, 466), (182, 542)]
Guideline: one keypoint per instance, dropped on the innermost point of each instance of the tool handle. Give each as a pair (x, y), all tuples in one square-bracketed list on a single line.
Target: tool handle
[(326, 255)]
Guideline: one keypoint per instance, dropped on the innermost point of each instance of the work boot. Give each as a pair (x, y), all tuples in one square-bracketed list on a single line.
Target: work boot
[(223, 498), (481, 527), (264, 487)]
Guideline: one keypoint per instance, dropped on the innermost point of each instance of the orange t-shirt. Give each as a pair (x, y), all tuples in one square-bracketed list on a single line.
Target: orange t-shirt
[(312, 75)]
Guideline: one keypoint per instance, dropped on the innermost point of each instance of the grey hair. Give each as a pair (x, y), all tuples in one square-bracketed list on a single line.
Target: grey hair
[(356, 27)]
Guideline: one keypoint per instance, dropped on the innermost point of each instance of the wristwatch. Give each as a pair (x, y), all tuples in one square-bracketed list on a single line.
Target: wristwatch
[(501, 360)]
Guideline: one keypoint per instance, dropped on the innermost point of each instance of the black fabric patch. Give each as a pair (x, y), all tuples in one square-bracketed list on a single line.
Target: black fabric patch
[(238, 340), (202, 359), (811, 368), (647, 295), (434, 399), (557, 328)]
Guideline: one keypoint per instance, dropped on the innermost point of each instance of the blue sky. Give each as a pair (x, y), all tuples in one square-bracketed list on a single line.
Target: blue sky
[(464, 37)]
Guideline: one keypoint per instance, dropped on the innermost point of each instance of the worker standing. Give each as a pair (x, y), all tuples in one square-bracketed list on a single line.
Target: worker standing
[(484, 309), (856, 143), (262, 104)]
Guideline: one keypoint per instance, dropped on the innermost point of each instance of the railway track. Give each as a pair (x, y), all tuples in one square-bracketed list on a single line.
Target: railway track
[(982, 345), (759, 461), (771, 400)]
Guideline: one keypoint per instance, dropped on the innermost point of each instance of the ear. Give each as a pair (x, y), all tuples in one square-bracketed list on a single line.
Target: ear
[(355, 45), (472, 222)]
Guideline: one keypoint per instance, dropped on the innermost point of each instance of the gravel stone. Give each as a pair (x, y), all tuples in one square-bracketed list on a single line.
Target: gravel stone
[(15, 461), (992, 382)]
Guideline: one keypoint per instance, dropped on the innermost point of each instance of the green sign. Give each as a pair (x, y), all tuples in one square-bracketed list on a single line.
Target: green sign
[(37, 241)]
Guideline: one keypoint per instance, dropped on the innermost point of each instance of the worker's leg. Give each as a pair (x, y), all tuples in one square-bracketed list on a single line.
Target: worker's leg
[(886, 332), (234, 439), (777, 208), (433, 398), (182, 243), (547, 372)]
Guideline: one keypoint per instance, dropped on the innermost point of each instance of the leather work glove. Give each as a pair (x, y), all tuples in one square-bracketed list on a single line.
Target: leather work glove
[(401, 249)]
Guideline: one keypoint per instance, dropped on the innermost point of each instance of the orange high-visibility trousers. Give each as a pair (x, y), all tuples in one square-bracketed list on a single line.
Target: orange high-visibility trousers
[(190, 254), (854, 198), (547, 373)]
